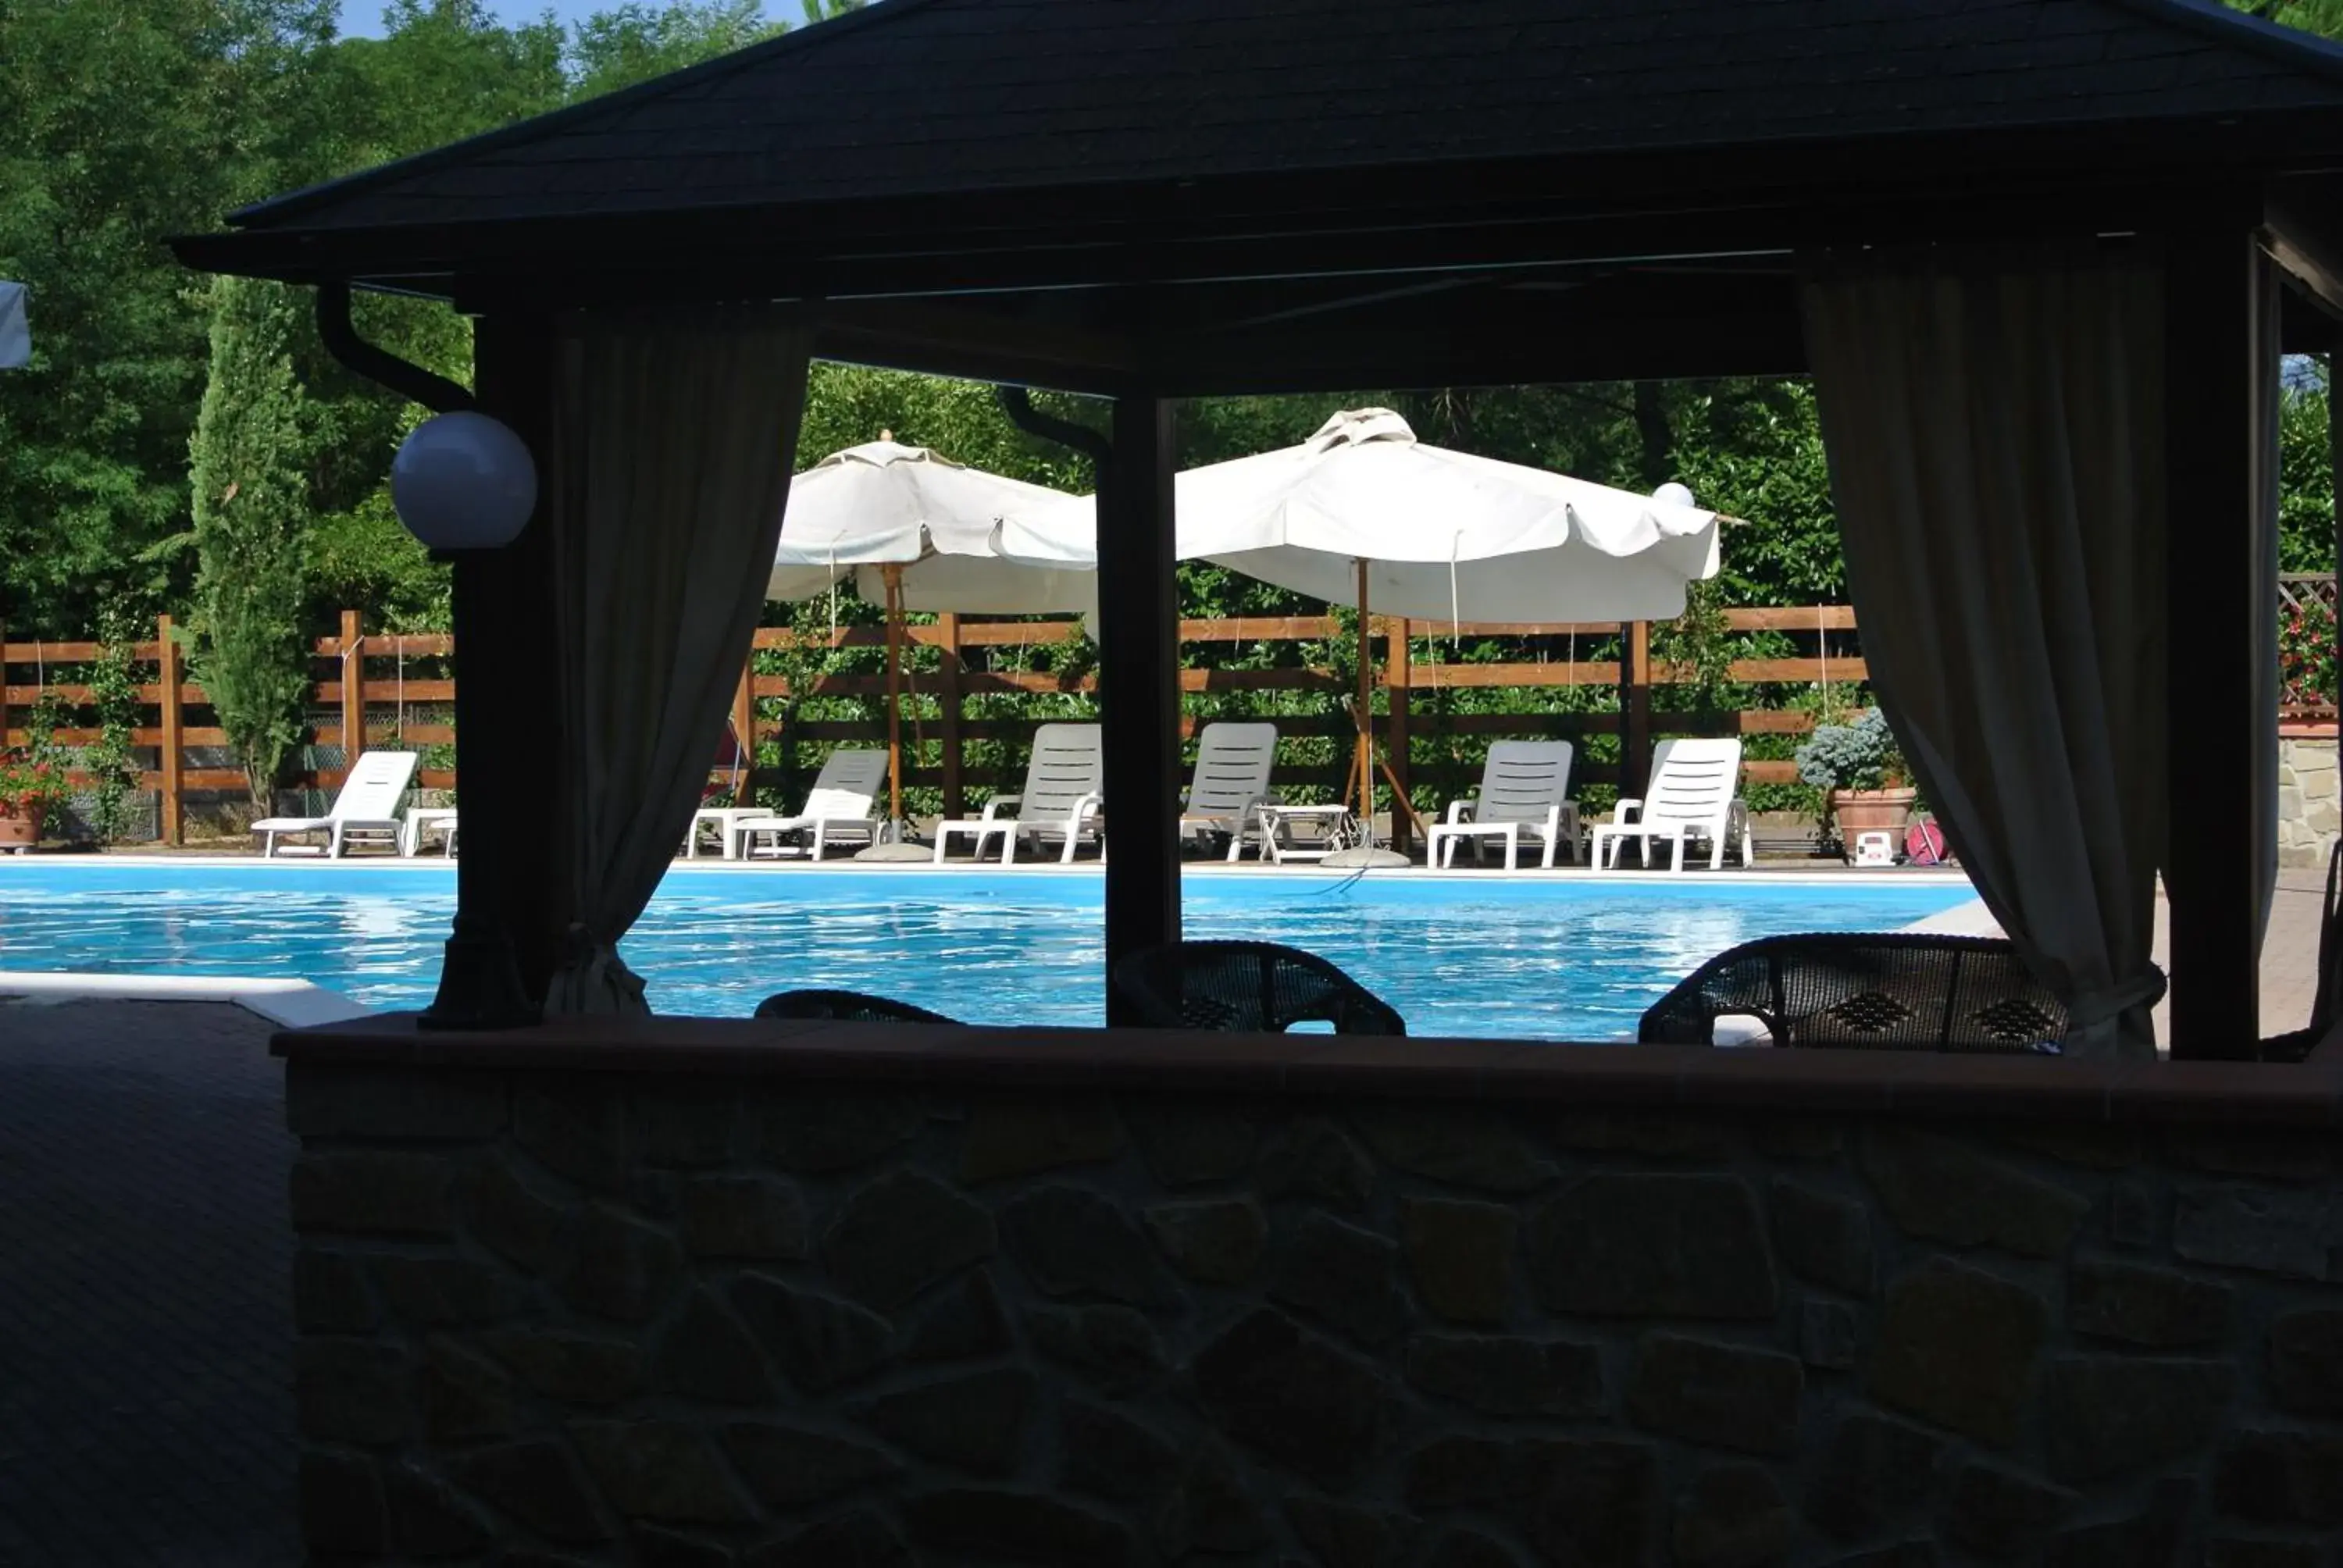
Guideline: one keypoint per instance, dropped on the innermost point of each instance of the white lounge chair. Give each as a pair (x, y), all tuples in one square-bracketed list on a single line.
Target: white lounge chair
[(1233, 762), (1695, 793), (1525, 786), (840, 808), (366, 811), (1060, 799)]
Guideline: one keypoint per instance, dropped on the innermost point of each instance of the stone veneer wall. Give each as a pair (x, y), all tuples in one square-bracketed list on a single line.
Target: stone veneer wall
[(606, 1318), (2310, 801)]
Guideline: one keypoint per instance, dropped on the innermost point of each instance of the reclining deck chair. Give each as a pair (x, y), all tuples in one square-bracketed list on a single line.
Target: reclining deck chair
[(1695, 793), (364, 811), (1525, 786), (840, 807), (1246, 986), (852, 1006), (1233, 762), (1061, 799)]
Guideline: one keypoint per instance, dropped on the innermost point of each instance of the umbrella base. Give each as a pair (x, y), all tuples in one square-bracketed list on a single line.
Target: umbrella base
[(1361, 857), (905, 853)]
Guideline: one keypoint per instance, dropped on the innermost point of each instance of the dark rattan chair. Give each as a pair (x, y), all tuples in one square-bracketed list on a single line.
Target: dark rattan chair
[(2295, 1045), (1904, 991), (846, 1004), (1247, 986)]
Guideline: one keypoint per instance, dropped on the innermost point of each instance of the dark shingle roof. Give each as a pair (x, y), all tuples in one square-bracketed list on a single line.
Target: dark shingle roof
[(919, 97)]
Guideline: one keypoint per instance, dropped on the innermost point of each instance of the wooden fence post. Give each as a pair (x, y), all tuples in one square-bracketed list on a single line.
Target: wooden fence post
[(168, 675), (947, 710), (1635, 707), (744, 728), (353, 692), (1396, 677)]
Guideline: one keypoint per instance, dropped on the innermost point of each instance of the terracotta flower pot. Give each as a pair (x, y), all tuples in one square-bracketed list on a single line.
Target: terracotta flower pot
[(1860, 811), (16, 832)]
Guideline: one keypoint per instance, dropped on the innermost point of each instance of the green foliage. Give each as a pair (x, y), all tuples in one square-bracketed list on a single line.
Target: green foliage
[(1858, 756), (109, 763), (2324, 18), (249, 505), (2305, 515)]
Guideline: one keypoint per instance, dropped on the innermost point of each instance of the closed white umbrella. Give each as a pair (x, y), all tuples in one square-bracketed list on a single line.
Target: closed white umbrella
[(15, 333), (920, 532)]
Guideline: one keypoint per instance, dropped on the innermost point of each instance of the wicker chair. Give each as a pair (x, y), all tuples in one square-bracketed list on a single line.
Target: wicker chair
[(846, 1004), (1904, 991), (2295, 1045), (1247, 986)]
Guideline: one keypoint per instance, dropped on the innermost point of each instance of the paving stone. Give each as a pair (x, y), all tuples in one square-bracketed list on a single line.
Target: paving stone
[(964, 1320), (576, 1130), (428, 1519), (1115, 1349), (1209, 1509), (624, 1269), (687, 1127), (1109, 1455), (1344, 1536), (1729, 1396), (2109, 1415), (1621, 1245), (374, 1193), (1873, 1473), (432, 1292), (1072, 1242), (901, 1234), (2306, 1362), (1460, 1256), (1213, 1242), (1821, 1237), (534, 1481), (515, 1222), (1292, 1397), (1463, 1148), (1957, 1346), (344, 1100), (831, 1130), (2158, 1309), (658, 1547), (339, 1497), (1829, 1335), (1732, 1517), (1506, 1376), (2151, 1538), (1019, 1135), (330, 1294), (2001, 1514), (1591, 1502), (1462, 1470), (2270, 1232), (1461, 1548), (2280, 1477), (858, 1540), (968, 1524), (705, 1355), (1319, 1160), (352, 1391), (664, 1470), (575, 1368), (1943, 1189), (1343, 1276), (975, 1423), (790, 1468), (464, 1395), (818, 1344), (743, 1217)]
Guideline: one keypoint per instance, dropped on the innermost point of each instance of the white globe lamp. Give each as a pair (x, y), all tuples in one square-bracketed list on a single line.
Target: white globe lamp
[(1674, 494), (463, 481)]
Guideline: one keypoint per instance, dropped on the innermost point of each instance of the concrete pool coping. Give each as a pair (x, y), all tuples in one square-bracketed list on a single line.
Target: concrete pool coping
[(288, 1003)]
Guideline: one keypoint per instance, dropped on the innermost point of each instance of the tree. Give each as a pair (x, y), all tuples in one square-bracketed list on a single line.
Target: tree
[(250, 506)]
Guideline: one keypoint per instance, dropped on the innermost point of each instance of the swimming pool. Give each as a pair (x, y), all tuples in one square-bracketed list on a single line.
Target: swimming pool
[(1576, 959)]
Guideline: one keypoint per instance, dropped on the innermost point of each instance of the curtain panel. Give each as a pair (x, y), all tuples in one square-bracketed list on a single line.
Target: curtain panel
[(674, 438), (1995, 422)]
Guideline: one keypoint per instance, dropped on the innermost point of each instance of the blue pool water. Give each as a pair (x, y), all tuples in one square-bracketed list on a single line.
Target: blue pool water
[(1565, 960)]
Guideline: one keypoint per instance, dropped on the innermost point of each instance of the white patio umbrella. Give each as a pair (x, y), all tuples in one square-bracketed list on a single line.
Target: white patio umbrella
[(1364, 508), (919, 532)]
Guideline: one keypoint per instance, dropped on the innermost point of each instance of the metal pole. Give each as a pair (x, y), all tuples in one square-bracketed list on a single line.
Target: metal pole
[(1365, 763), (894, 576)]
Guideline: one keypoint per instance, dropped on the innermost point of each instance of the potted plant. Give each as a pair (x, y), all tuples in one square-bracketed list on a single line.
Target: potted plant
[(1861, 770), (31, 792)]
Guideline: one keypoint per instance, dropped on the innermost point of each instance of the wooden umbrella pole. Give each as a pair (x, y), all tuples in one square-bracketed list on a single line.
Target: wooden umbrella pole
[(894, 577), (1362, 762)]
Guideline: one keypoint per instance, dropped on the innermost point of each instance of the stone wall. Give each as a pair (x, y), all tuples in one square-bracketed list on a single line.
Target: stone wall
[(2309, 802), (624, 1318)]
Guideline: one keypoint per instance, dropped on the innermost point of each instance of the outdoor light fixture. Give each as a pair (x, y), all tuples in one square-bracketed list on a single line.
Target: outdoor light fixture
[(1674, 494), (463, 481)]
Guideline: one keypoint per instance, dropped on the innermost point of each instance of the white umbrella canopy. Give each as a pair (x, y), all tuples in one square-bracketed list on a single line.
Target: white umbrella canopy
[(962, 540), (1445, 535)]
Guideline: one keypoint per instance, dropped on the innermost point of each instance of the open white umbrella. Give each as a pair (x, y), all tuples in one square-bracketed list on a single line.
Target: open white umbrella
[(919, 532), (1364, 508)]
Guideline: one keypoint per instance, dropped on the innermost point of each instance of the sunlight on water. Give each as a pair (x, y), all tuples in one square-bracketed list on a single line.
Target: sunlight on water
[(1556, 960)]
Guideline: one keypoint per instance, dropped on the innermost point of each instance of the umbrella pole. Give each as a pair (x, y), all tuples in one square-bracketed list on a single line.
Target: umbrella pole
[(894, 577), (1362, 761)]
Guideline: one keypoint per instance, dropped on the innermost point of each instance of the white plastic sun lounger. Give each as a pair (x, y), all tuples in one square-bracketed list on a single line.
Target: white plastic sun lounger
[(840, 808), (1695, 793), (1061, 799), (1523, 794), (367, 810), (1233, 762)]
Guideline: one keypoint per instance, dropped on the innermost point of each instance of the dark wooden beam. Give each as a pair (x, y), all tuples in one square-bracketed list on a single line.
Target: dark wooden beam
[(975, 342), (1138, 682)]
